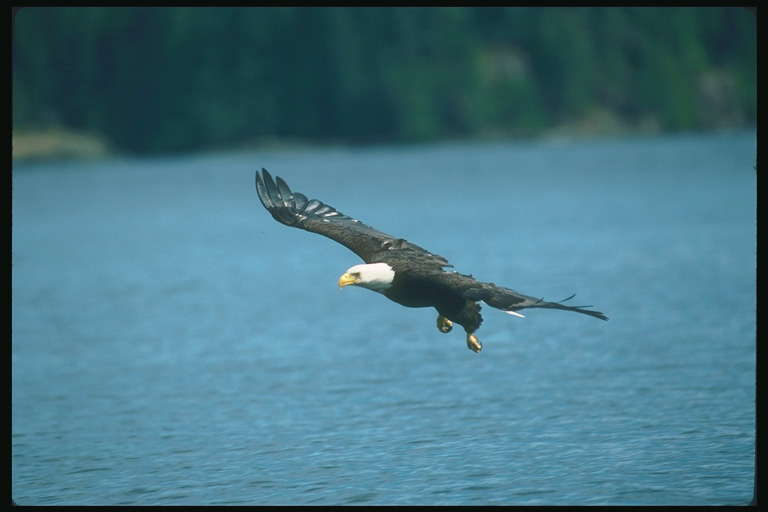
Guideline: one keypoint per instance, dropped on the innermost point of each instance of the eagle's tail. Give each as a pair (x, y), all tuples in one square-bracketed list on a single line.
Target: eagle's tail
[(511, 301)]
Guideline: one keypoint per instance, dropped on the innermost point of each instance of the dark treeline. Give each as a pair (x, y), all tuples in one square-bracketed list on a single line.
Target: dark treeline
[(178, 79)]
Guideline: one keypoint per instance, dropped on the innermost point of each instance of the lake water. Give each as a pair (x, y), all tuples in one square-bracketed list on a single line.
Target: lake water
[(174, 345)]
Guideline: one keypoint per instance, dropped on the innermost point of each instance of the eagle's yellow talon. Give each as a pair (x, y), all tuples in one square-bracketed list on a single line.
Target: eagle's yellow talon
[(443, 324), (473, 343)]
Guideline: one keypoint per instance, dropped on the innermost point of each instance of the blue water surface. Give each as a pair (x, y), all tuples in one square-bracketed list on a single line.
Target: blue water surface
[(174, 345)]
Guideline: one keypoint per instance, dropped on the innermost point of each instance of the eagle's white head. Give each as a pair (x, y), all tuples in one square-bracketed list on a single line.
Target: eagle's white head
[(374, 276)]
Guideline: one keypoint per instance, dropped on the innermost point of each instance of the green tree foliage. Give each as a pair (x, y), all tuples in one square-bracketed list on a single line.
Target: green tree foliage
[(180, 79)]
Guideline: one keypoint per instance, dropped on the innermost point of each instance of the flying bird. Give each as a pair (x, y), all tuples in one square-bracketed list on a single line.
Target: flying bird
[(398, 269)]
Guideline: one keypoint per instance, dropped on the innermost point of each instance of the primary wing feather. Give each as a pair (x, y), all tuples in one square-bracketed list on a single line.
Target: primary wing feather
[(296, 210)]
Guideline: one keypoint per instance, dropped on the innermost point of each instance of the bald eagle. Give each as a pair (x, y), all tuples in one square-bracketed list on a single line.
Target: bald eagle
[(400, 270)]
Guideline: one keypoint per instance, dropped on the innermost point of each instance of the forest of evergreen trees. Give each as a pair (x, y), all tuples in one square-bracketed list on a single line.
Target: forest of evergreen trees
[(183, 79)]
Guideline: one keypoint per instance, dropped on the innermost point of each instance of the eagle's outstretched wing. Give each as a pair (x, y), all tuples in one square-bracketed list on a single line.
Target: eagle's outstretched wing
[(294, 209), (511, 301)]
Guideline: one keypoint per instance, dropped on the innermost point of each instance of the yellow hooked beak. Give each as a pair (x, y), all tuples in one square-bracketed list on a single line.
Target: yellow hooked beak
[(349, 278)]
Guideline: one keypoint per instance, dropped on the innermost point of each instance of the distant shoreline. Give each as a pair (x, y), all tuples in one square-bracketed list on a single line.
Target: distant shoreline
[(65, 144), (58, 143)]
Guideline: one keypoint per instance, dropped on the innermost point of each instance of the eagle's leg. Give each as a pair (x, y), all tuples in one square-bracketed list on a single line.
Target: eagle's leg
[(443, 324), (473, 343)]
